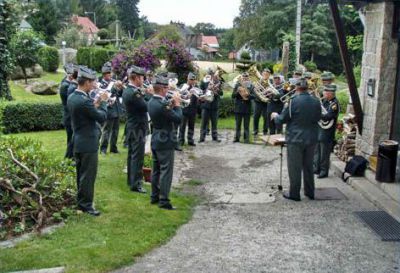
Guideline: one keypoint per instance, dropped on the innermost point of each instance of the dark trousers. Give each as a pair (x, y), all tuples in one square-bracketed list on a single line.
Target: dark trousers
[(260, 110), (322, 157), (162, 173), (273, 127), (110, 135), (136, 149), (189, 121), (246, 122), (299, 160), (208, 115), (86, 171), (70, 143)]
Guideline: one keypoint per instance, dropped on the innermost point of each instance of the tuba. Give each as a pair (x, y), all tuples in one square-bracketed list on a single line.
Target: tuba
[(262, 93)]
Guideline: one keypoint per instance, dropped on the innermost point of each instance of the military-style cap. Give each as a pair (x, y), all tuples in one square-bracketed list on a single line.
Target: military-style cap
[(87, 73), (298, 72), (107, 68), (330, 88), (191, 76), (69, 68), (149, 73), (245, 74), (160, 80), (302, 82), (136, 70), (307, 75), (172, 75), (277, 75), (266, 70), (326, 76)]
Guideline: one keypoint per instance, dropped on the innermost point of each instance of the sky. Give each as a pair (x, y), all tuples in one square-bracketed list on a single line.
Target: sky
[(218, 12)]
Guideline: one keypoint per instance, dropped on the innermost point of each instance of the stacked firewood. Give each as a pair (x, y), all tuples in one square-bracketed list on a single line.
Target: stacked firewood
[(346, 145)]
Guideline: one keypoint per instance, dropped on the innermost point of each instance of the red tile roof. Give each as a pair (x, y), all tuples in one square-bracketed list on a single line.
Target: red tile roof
[(87, 25), (209, 40)]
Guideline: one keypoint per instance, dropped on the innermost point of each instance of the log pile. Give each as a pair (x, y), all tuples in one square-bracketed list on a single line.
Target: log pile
[(346, 145)]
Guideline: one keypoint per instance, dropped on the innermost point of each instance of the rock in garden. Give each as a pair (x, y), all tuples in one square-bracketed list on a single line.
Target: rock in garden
[(33, 72), (44, 88)]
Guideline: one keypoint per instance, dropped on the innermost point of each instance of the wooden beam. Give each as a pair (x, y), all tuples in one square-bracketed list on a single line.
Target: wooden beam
[(348, 67)]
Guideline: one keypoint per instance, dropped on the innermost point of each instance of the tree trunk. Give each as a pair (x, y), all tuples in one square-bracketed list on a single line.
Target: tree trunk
[(312, 56), (25, 76)]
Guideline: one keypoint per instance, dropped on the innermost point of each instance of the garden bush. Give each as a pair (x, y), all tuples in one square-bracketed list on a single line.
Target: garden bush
[(269, 65), (26, 117), (310, 66), (94, 57), (99, 57), (36, 190), (83, 56), (48, 58), (343, 98), (226, 107)]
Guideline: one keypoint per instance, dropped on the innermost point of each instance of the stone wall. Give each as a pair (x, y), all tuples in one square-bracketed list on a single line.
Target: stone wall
[(379, 62)]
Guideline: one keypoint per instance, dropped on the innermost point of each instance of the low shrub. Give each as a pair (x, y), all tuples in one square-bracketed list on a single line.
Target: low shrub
[(36, 189), (269, 65), (26, 117), (226, 107), (310, 66), (83, 56), (94, 57), (48, 58), (343, 98)]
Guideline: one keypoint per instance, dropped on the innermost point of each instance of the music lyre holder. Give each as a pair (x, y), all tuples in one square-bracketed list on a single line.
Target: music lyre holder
[(276, 140)]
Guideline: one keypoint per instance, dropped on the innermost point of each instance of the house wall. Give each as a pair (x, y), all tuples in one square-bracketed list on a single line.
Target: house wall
[(379, 63)]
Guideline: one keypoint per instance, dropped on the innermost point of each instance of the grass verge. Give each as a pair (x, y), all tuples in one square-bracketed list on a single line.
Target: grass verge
[(129, 226)]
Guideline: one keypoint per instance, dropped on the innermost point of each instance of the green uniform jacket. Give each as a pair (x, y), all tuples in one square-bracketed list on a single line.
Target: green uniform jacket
[(136, 111), (163, 119), (242, 106), (215, 103), (64, 97), (84, 116), (302, 116), (332, 107)]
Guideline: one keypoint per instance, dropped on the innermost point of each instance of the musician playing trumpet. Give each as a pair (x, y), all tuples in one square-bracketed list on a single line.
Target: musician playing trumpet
[(242, 95), (275, 105), (189, 112), (326, 131), (261, 107)]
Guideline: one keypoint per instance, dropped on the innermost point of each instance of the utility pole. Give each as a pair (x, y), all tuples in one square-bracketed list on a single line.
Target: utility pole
[(117, 33), (94, 16), (298, 32)]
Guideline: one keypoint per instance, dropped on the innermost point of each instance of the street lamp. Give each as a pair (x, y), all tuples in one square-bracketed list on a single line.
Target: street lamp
[(63, 43), (94, 15)]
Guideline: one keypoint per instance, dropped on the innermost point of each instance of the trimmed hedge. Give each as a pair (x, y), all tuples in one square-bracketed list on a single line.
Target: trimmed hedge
[(226, 107), (48, 58), (94, 57), (26, 117)]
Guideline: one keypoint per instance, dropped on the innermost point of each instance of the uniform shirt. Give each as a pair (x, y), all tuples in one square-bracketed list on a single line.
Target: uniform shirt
[(136, 110), (332, 107), (163, 118), (242, 106), (301, 116), (215, 103), (84, 118)]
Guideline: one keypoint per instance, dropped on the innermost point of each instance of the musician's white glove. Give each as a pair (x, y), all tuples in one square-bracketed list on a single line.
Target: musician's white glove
[(274, 115)]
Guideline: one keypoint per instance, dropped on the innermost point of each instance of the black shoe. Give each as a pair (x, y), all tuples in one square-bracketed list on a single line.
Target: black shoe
[(287, 196), (201, 140), (154, 201), (236, 140), (167, 206), (114, 152), (179, 149), (139, 190), (217, 140), (191, 144), (103, 152), (322, 175), (311, 197), (316, 172), (90, 211)]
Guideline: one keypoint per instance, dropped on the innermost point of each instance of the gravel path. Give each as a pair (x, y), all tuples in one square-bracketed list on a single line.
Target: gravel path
[(242, 226)]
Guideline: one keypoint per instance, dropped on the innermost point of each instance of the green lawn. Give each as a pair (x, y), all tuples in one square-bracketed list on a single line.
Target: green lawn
[(129, 226)]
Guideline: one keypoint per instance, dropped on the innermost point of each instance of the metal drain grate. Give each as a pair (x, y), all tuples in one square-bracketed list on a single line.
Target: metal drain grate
[(329, 194), (384, 225)]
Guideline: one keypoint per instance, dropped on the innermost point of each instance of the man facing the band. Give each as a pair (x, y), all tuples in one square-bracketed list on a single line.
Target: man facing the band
[(84, 117), (72, 73), (114, 110), (276, 106), (261, 108), (164, 114), (326, 135), (137, 127), (189, 113), (209, 110), (301, 116), (242, 95)]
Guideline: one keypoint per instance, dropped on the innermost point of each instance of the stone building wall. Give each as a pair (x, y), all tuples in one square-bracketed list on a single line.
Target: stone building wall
[(379, 62)]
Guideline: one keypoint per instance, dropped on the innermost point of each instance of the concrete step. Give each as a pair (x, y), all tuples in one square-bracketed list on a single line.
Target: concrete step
[(374, 191)]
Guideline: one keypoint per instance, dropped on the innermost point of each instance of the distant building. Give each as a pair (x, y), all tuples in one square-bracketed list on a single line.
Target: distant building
[(87, 28)]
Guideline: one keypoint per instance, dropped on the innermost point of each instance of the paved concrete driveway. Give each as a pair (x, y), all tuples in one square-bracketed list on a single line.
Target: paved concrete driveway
[(240, 227)]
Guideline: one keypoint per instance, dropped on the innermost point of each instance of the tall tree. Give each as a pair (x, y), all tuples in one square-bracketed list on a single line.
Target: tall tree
[(128, 14), (45, 20), (205, 28)]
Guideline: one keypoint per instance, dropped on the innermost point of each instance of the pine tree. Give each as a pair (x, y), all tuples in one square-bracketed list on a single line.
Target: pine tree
[(45, 20), (128, 14)]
